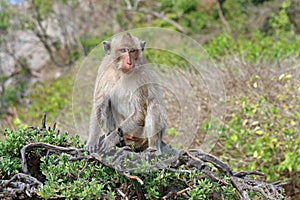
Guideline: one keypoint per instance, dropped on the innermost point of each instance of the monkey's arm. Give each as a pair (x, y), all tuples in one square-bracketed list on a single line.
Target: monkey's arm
[(115, 137), (94, 131), (135, 120), (148, 111), (99, 111)]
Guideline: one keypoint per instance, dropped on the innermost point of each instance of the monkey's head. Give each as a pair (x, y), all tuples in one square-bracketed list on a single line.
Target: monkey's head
[(126, 51)]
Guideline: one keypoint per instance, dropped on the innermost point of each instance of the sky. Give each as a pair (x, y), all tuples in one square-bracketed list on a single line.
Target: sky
[(16, 2)]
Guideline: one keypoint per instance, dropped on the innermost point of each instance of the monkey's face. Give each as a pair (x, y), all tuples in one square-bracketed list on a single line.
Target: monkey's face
[(128, 57), (126, 51)]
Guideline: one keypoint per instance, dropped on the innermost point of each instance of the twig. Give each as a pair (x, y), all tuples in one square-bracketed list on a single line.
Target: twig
[(44, 122), (122, 194), (184, 190), (160, 16), (243, 174), (222, 17), (134, 178)]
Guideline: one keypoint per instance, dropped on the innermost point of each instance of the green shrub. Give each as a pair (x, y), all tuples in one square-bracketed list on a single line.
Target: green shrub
[(69, 182), (256, 49), (89, 42), (14, 141), (280, 23), (5, 16), (263, 133), (78, 180), (47, 97)]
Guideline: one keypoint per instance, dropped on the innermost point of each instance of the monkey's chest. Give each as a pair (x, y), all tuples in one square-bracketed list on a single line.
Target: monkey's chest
[(122, 104)]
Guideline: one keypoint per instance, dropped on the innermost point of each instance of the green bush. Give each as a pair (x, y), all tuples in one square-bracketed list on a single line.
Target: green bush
[(77, 180), (89, 42), (5, 16), (280, 23), (272, 142), (256, 49), (262, 128), (47, 97), (14, 141), (93, 182), (189, 14)]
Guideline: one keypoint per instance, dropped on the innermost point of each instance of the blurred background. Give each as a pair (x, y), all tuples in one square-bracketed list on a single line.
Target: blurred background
[(255, 44)]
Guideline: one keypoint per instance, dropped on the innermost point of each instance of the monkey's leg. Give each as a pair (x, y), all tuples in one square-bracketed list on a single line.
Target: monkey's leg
[(154, 126)]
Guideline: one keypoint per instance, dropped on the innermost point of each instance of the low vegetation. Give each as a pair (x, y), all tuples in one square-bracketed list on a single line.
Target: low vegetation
[(57, 171)]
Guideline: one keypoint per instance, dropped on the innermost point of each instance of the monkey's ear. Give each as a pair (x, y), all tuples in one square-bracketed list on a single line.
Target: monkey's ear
[(143, 44), (106, 47)]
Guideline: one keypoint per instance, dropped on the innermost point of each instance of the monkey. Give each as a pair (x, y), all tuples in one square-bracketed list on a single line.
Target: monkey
[(127, 105)]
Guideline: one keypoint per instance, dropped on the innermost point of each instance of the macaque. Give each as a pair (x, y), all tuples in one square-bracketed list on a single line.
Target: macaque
[(128, 105)]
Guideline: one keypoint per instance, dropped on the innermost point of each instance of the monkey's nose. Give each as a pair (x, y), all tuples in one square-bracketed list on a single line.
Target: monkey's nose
[(129, 61)]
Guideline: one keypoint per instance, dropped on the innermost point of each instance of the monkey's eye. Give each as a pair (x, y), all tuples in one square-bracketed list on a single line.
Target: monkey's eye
[(123, 50), (132, 50)]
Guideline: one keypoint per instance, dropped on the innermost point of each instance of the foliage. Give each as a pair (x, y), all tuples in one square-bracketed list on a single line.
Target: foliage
[(237, 14), (271, 138), (47, 97), (88, 43), (14, 94), (4, 15), (44, 9), (165, 58), (76, 180), (15, 140), (277, 43), (280, 23), (189, 14), (258, 48), (262, 129)]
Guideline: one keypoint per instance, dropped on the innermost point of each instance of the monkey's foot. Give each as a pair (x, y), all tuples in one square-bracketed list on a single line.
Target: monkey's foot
[(149, 153), (110, 141), (92, 147)]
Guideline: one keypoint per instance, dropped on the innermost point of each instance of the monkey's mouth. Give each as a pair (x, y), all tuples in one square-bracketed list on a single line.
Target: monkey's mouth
[(127, 69)]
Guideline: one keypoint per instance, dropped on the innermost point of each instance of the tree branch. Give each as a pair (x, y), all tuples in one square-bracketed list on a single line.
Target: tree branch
[(151, 12), (222, 17)]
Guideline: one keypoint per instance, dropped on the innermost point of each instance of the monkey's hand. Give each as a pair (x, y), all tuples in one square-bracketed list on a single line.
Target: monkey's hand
[(92, 146), (110, 141)]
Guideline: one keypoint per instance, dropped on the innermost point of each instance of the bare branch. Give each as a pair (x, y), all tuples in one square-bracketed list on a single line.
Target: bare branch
[(222, 17), (151, 12), (129, 6), (161, 16), (136, 3)]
